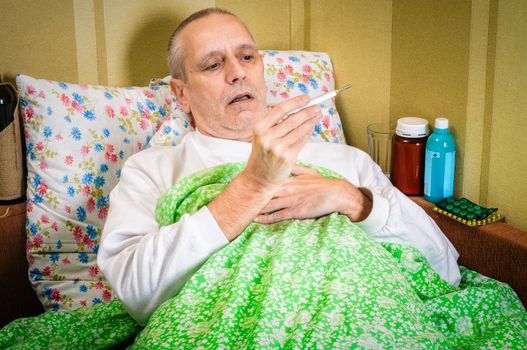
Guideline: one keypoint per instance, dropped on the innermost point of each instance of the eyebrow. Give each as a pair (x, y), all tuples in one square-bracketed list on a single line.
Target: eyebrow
[(206, 57)]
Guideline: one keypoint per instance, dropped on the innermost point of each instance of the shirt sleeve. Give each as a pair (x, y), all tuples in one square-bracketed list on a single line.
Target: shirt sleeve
[(144, 263), (395, 218)]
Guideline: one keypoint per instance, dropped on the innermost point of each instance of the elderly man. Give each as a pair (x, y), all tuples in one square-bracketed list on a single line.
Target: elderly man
[(218, 78)]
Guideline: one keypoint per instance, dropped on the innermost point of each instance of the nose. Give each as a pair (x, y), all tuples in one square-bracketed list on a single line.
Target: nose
[(234, 71)]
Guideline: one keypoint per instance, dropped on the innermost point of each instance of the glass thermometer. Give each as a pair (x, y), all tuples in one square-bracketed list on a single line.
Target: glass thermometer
[(321, 98)]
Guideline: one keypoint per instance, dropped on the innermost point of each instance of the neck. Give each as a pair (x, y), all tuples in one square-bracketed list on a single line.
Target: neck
[(242, 139)]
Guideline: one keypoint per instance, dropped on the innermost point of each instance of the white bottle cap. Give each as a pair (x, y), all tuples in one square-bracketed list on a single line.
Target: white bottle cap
[(441, 123), (412, 127)]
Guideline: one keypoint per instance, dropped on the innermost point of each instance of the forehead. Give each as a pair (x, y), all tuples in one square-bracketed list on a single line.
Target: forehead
[(216, 32)]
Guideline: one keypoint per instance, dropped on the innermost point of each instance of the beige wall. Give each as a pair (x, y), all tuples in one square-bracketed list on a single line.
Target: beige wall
[(131, 37), (123, 42), (38, 38), (465, 60), (460, 59), (506, 161), (430, 60), (357, 34), (260, 16)]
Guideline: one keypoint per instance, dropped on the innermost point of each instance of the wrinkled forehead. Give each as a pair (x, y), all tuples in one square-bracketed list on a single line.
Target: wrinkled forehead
[(214, 33)]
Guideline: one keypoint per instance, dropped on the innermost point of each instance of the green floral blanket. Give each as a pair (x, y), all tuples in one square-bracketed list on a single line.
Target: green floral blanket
[(297, 284)]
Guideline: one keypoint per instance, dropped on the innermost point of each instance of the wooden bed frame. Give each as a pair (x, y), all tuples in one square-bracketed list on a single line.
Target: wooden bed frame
[(497, 250)]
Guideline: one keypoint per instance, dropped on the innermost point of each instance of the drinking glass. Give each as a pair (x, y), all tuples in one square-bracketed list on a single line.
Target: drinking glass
[(380, 145)]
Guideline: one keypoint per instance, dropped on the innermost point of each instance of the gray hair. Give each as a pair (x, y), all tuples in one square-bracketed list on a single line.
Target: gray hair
[(176, 56)]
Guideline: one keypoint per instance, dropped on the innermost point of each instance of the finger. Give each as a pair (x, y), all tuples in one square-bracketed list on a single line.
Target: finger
[(302, 170), (281, 110), (295, 120), (298, 137), (278, 136), (278, 203), (281, 146), (277, 216), (289, 188)]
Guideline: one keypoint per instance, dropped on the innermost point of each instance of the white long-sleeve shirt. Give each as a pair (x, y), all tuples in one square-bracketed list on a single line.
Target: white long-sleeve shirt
[(147, 264)]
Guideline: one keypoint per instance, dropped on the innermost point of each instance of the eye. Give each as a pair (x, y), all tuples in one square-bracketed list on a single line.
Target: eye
[(213, 66), (247, 58)]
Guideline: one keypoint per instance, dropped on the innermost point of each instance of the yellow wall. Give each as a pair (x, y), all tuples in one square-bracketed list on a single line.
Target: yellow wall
[(123, 42), (507, 164), (430, 60), (38, 38), (260, 16), (357, 34), (465, 60), (460, 59)]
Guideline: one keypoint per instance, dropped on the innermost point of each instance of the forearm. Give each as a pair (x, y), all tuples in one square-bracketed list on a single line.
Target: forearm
[(147, 267), (241, 201), (144, 263)]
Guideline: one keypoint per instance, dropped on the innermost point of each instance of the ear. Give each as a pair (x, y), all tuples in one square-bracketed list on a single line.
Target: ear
[(179, 89)]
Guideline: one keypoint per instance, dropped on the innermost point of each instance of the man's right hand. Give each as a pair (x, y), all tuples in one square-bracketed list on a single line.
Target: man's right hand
[(275, 147), (277, 140)]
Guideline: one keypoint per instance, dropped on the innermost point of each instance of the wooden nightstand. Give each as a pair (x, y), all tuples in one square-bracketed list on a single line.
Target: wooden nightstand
[(496, 250), (17, 297)]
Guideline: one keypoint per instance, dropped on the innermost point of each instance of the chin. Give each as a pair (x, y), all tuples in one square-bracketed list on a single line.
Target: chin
[(240, 119), (241, 126)]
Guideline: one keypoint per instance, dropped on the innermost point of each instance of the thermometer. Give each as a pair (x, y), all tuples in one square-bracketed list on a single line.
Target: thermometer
[(321, 98)]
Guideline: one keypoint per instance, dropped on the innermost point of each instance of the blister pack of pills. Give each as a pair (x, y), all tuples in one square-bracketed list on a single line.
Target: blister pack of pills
[(467, 212)]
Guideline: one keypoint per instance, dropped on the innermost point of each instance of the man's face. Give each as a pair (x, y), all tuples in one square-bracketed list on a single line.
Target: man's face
[(225, 88)]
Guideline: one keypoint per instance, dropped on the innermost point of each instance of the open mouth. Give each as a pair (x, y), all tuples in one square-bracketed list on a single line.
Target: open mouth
[(241, 98)]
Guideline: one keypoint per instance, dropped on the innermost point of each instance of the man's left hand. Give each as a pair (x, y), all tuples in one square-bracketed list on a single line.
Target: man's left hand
[(307, 194)]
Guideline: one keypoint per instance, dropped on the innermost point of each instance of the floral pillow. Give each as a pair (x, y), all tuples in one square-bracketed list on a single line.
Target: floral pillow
[(287, 74), (77, 138), (292, 73)]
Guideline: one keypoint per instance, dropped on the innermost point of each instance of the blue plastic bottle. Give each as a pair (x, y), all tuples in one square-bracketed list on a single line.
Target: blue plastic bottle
[(440, 160)]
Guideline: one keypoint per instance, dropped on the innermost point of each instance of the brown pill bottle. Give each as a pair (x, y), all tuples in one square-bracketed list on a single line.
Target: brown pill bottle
[(408, 155)]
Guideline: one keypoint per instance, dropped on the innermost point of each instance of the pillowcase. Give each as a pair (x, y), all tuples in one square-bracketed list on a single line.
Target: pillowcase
[(292, 73), (77, 138), (287, 74)]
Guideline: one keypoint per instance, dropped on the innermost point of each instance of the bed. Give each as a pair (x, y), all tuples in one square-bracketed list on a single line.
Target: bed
[(63, 272)]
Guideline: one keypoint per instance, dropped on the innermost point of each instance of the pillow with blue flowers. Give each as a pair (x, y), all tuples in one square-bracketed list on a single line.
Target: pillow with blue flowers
[(77, 138), (292, 73), (287, 74)]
